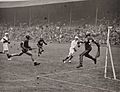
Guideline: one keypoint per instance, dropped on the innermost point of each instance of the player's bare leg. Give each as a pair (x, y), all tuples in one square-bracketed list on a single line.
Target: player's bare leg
[(39, 51), (70, 58), (65, 59), (7, 54), (86, 54), (30, 54), (42, 50), (81, 59), (89, 56)]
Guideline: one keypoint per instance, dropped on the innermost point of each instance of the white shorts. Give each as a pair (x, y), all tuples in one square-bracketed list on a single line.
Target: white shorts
[(5, 47), (71, 51)]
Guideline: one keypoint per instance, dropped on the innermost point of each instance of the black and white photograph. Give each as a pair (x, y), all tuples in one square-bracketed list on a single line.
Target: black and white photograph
[(59, 45)]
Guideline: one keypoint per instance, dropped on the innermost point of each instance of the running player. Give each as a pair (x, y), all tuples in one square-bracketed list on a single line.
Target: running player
[(72, 49), (5, 40), (26, 49), (88, 48), (40, 45)]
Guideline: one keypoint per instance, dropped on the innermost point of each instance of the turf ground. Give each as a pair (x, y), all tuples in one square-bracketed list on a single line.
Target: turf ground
[(19, 74)]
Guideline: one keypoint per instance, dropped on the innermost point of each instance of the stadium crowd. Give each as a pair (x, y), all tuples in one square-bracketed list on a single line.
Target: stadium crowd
[(62, 32)]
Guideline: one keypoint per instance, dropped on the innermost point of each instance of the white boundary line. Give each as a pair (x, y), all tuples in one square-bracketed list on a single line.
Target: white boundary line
[(77, 84), (53, 74), (19, 80), (11, 87), (71, 83), (70, 71), (112, 79)]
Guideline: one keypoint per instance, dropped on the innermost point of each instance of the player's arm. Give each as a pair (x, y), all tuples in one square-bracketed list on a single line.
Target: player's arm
[(22, 45), (79, 43), (44, 42), (1, 40), (98, 45), (6, 41), (38, 44), (29, 47)]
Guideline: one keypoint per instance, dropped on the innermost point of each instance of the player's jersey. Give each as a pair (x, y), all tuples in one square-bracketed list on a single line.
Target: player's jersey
[(25, 44), (5, 39), (74, 44), (41, 42), (88, 42)]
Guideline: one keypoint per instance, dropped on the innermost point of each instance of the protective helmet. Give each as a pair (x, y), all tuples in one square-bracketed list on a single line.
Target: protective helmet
[(27, 36), (88, 34), (76, 37), (6, 33)]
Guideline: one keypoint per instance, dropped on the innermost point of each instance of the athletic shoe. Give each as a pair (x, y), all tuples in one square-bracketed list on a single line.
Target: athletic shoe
[(64, 61), (9, 56), (9, 59), (2, 53), (42, 51), (79, 66), (36, 63), (38, 77), (69, 61)]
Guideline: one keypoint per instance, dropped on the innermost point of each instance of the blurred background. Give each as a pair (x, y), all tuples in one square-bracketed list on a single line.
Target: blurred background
[(59, 21)]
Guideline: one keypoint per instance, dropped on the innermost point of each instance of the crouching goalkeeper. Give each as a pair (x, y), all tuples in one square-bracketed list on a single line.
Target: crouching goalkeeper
[(26, 49)]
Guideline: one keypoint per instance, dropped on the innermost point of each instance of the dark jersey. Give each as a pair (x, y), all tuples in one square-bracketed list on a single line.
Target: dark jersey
[(25, 44), (41, 42), (88, 42)]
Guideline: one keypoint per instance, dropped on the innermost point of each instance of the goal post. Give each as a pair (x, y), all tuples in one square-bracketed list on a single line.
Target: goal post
[(108, 51)]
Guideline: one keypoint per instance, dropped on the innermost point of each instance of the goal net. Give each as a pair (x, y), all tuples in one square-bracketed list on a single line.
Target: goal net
[(112, 58)]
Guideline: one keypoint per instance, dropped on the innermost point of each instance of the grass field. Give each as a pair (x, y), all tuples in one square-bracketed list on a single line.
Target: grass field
[(19, 74)]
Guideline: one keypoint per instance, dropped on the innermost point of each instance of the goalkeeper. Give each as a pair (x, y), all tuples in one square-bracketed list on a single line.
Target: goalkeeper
[(26, 49), (88, 48)]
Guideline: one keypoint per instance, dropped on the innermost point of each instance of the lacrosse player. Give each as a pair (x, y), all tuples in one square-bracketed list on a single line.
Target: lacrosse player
[(88, 41), (26, 49), (40, 45), (72, 49), (5, 40)]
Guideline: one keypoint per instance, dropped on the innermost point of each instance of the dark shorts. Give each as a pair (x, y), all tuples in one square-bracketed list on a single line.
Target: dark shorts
[(24, 50)]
